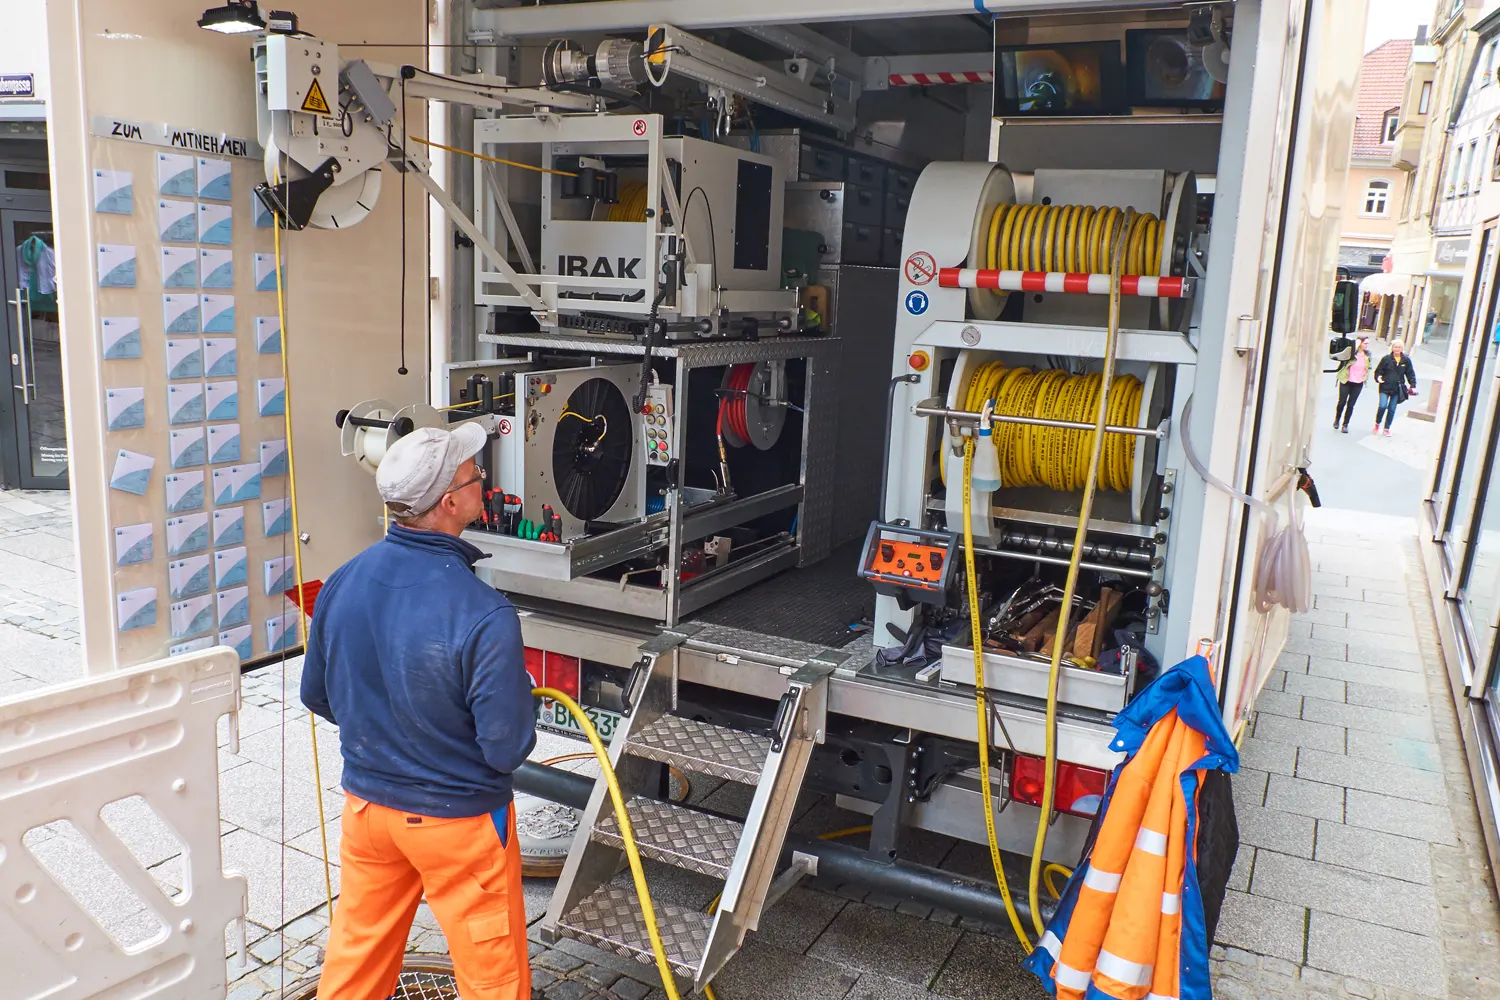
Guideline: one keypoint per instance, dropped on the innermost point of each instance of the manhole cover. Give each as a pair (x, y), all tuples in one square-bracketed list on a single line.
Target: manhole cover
[(421, 979)]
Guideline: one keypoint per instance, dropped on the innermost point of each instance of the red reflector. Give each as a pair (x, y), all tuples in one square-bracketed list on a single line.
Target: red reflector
[(1079, 790), (533, 658), (561, 672), (308, 596)]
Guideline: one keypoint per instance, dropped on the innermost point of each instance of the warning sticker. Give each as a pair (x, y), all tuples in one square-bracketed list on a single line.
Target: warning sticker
[(315, 103), (920, 268), (638, 126), (505, 427)]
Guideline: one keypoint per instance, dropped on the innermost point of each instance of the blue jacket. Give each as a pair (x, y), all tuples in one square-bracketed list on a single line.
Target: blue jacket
[(420, 665)]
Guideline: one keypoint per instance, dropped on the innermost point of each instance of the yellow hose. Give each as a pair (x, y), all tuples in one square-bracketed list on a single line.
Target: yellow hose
[(1048, 872), (627, 834)]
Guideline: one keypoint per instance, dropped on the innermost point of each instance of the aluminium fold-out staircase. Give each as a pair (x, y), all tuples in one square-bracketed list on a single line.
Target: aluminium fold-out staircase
[(591, 905)]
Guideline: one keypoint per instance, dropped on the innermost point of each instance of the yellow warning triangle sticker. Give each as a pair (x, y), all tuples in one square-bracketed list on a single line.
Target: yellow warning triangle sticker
[(315, 103)]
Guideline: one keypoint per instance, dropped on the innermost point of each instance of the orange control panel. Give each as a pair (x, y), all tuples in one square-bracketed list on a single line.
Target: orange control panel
[(901, 559)]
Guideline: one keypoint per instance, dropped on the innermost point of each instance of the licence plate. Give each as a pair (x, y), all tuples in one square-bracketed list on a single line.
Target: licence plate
[(553, 715)]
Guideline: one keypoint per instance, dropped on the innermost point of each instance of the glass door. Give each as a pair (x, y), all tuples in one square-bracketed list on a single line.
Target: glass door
[(35, 445)]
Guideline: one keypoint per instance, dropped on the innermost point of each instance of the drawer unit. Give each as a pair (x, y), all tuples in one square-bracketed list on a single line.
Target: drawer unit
[(864, 204), (862, 244)]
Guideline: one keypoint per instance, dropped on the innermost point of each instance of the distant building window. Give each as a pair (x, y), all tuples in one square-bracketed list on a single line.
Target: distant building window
[(1377, 198), (1392, 122), (1424, 103), (1495, 164), (1487, 72), (1474, 173)]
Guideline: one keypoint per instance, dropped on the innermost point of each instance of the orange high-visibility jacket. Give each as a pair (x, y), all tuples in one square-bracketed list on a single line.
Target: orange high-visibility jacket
[(1130, 923)]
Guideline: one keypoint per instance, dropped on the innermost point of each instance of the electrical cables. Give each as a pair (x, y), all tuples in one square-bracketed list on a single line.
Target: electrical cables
[(1073, 238), (632, 203)]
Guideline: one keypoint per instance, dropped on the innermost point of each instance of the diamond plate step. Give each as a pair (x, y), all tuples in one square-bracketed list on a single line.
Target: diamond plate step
[(610, 919), (702, 748), (680, 837)]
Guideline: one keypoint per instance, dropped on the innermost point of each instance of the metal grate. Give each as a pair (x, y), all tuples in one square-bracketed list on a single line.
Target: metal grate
[(811, 604), (699, 842), (421, 979)]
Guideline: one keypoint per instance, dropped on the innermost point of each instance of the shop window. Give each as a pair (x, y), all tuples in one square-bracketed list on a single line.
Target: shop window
[(1377, 196)]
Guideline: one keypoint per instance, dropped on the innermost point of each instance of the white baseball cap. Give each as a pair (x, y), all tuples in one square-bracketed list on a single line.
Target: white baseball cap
[(419, 468)]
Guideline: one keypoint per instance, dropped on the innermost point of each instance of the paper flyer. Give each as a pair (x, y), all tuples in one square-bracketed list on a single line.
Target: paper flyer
[(237, 483), (187, 577), (175, 174), (215, 225), (273, 457), (267, 335), (270, 396), (223, 400), (281, 575), (177, 221), (194, 615), (281, 632), (231, 566), (265, 273), (116, 266), (179, 313), (213, 179), (185, 403), (121, 336), (133, 544), (132, 472), (219, 357), (238, 639), (184, 491), (234, 606), (275, 518), (136, 609), (223, 443), (186, 534), (187, 447), (260, 213), (217, 267), (125, 408), (184, 357), (114, 192), (191, 646), (218, 314), (179, 267), (229, 526)]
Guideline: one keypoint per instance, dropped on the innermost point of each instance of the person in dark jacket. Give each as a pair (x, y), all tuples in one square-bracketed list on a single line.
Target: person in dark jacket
[(1396, 379), (420, 665)]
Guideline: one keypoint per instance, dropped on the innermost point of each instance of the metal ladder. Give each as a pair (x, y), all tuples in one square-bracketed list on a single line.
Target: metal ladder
[(588, 906)]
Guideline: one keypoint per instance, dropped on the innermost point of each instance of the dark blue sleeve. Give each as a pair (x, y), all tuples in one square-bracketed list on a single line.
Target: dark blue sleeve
[(500, 690), (315, 663)]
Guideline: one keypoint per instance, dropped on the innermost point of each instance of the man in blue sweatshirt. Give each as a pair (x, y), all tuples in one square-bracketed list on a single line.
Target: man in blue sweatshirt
[(420, 665)]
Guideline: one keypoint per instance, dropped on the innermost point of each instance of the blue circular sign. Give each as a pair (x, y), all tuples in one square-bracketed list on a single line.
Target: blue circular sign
[(916, 303)]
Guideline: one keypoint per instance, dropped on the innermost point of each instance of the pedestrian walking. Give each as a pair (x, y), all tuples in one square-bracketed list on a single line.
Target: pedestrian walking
[(1354, 368), (1397, 380)]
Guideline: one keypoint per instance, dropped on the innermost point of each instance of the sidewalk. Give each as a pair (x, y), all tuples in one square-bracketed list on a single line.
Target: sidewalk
[(1361, 871)]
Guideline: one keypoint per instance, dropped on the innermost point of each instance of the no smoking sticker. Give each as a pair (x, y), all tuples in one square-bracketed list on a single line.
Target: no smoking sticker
[(920, 268), (638, 126), (505, 427)]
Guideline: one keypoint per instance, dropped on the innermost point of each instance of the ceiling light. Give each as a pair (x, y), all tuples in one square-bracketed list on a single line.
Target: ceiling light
[(236, 17)]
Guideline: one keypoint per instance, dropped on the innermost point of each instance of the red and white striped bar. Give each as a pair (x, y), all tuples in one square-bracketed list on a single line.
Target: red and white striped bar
[(1137, 285), (935, 79)]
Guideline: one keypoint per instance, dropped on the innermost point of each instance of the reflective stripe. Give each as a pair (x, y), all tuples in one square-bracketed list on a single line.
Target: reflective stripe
[(1158, 996), (1117, 968), (1073, 979), (1101, 881), (1050, 944), (1171, 902), (1152, 842)]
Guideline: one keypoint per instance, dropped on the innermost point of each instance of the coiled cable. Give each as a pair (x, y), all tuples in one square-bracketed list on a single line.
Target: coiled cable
[(1075, 238), (632, 204)]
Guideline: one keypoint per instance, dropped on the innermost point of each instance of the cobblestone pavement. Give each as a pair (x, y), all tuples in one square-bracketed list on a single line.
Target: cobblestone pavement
[(1361, 874)]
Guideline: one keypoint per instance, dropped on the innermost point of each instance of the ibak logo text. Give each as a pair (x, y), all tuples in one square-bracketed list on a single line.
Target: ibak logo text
[(579, 267)]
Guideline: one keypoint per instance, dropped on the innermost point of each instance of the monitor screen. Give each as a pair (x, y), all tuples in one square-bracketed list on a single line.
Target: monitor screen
[(1167, 70), (1073, 78)]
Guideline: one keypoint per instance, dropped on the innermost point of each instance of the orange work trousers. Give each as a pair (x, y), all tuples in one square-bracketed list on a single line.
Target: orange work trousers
[(472, 881)]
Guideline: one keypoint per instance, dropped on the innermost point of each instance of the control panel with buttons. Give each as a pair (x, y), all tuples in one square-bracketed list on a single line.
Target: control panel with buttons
[(656, 425), (907, 563)]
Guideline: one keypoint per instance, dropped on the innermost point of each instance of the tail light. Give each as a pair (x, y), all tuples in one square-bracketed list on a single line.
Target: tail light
[(1079, 790), (554, 670)]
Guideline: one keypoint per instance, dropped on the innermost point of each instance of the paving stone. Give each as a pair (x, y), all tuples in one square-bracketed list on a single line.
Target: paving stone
[(305, 927), (1383, 656), (1322, 616), (1389, 598), (1388, 699), (1402, 817), (1366, 673), (1268, 755), (1371, 720), (987, 968), (1317, 647), (1264, 926), (1373, 899), (568, 990), (1300, 733), (247, 991), (871, 986), (771, 974), (630, 989), (1306, 798), (1419, 754), (597, 976), (1327, 688), (1292, 663), (1388, 779), (558, 961), (886, 942), (1277, 831), (1279, 703), (1380, 955), (1404, 641), (1244, 864), (1380, 622), (1373, 851)]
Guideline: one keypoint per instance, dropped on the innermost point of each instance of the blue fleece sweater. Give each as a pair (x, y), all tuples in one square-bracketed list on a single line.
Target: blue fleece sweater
[(420, 665)]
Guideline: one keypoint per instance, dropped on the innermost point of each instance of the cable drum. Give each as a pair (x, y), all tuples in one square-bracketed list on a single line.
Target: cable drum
[(592, 449)]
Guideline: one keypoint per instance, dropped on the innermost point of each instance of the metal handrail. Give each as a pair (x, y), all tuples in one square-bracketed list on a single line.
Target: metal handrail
[(973, 417)]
